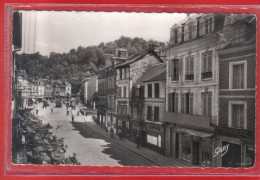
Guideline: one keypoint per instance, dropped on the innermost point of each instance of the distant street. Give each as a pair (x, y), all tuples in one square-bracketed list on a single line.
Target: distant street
[(90, 147)]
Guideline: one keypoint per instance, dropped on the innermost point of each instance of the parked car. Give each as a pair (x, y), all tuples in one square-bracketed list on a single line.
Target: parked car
[(58, 104)]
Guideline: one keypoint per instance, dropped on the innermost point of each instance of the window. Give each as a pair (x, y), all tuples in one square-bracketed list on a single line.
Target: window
[(237, 75), (122, 109), (239, 35), (124, 92), (206, 99), (149, 113), (141, 92), (206, 65), (182, 33), (187, 103), (150, 93), (238, 115), (175, 70), (206, 26), (126, 73), (173, 102), (189, 68), (156, 90), (156, 114)]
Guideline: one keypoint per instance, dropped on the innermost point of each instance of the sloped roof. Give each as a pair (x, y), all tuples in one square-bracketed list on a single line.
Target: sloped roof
[(156, 72), (137, 57)]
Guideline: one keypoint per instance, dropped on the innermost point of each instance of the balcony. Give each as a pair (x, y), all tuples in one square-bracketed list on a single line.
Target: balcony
[(198, 121)]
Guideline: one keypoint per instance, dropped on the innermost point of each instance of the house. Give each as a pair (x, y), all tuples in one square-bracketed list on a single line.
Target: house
[(129, 70), (192, 89), (237, 90), (90, 87), (148, 107)]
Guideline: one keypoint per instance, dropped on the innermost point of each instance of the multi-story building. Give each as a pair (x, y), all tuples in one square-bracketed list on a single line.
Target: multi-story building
[(192, 89), (148, 107), (89, 88), (237, 63), (128, 71), (111, 97), (48, 90), (102, 97)]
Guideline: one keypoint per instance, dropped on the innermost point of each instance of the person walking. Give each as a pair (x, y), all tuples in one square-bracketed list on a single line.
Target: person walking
[(138, 139), (37, 112), (51, 110)]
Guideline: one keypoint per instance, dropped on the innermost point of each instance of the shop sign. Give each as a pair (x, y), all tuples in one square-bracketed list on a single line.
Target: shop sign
[(240, 133), (154, 127)]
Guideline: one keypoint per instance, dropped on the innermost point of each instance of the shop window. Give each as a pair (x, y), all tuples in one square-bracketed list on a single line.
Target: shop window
[(206, 65), (149, 113), (206, 99), (156, 114), (186, 147), (206, 152), (156, 90), (150, 92), (189, 62)]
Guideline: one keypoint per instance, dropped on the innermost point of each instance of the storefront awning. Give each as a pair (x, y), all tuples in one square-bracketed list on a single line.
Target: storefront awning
[(194, 132)]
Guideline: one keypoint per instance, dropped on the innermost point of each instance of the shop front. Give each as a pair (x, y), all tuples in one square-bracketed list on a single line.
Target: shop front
[(101, 118), (122, 126), (194, 147), (135, 126), (235, 148), (154, 136)]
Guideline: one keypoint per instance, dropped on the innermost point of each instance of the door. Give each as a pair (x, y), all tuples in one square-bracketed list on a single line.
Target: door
[(177, 146), (232, 158), (195, 153)]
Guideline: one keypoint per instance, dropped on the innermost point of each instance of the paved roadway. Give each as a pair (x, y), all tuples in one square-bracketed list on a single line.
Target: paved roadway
[(91, 148)]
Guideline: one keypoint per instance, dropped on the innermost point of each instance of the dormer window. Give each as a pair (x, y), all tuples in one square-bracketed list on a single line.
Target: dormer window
[(239, 35), (176, 35)]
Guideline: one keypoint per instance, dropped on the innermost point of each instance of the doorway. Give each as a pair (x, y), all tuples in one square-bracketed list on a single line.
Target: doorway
[(177, 146), (195, 152), (232, 158)]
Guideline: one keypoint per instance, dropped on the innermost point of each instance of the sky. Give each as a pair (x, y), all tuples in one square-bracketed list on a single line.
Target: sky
[(60, 31)]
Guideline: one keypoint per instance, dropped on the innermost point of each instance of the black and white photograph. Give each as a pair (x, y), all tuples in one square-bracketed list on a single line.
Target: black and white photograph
[(150, 89)]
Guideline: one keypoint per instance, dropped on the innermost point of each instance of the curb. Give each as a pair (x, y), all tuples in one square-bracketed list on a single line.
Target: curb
[(122, 145)]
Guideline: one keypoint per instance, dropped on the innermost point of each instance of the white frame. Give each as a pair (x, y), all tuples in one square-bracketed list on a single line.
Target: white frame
[(231, 64), (230, 103)]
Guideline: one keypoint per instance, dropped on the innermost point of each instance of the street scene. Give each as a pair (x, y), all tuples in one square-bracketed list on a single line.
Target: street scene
[(100, 91)]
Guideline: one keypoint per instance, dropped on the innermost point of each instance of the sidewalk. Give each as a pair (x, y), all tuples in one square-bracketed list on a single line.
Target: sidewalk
[(156, 158)]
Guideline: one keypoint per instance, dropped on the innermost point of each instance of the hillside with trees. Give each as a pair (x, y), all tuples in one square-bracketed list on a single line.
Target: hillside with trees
[(77, 62)]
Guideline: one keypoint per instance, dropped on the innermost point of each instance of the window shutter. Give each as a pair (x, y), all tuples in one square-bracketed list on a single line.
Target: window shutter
[(209, 105), (202, 27), (242, 76), (191, 64), (176, 103), (209, 61), (187, 64), (180, 67), (204, 62), (170, 102), (191, 103), (170, 69), (186, 32), (182, 103), (204, 100), (194, 29)]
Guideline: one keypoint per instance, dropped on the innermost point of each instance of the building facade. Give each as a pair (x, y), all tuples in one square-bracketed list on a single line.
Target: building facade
[(128, 72), (237, 62), (192, 89), (90, 87)]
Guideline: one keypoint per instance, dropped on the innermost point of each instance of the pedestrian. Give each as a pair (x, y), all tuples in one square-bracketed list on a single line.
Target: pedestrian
[(120, 134), (68, 112), (111, 132), (51, 110), (37, 112), (72, 118)]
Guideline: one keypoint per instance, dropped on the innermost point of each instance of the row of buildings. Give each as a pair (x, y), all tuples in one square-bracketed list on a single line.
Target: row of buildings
[(29, 91), (195, 101)]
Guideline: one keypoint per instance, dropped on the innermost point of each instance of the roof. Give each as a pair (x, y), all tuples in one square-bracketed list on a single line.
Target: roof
[(137, 57), (156, 72)]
